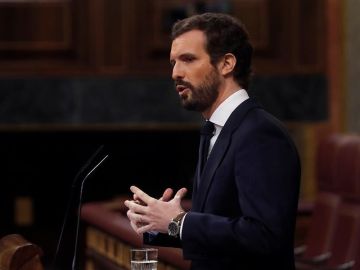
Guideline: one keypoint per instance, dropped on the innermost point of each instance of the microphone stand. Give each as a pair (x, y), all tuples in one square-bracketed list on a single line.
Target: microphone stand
[(72, 192), (79, 212)]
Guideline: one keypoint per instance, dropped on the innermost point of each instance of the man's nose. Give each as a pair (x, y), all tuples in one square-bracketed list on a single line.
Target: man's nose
[(177, 72)]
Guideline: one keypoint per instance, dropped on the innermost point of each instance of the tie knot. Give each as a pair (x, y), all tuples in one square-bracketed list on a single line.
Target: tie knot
[(207, 129)]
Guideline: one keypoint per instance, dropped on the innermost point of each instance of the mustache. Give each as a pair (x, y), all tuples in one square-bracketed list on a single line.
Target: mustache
[(183, 83)]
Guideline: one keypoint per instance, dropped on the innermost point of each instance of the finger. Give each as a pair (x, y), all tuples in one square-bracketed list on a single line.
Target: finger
[(137, 218), (133, 223), (141, 224), (141, 194), (137, 200), (134, 226), (167, 195), (180, 194), (135, 207), (143, 229), (129, 214)]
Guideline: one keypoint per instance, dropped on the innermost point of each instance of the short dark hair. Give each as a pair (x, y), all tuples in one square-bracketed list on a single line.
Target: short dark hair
[(224, 34)]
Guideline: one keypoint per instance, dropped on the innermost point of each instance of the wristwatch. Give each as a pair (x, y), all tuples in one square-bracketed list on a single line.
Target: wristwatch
[(174, 225)]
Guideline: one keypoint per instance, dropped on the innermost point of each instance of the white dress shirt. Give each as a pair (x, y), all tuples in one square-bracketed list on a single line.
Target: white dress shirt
[(223, 112)]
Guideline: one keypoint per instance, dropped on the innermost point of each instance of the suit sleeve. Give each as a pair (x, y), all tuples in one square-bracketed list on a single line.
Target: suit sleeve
[(266, 172)]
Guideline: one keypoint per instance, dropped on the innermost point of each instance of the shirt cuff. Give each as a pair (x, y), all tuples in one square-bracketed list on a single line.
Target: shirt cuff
[(181, 225)]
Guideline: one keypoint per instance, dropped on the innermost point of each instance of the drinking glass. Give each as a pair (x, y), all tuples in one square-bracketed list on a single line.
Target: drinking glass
[(144, 258)]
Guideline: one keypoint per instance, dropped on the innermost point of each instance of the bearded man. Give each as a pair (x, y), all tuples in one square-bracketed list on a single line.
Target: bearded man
[(246, 186)]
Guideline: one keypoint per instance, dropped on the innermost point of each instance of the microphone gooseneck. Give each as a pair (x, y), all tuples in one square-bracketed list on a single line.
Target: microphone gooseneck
[(87, 164)]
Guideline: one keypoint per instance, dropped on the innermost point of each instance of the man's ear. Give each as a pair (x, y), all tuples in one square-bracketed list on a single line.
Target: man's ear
[(227, 64)]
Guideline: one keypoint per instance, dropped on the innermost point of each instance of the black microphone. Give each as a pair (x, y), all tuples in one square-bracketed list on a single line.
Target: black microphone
[(96, 156)]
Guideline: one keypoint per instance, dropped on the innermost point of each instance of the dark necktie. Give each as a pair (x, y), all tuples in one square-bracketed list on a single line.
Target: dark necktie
[(206, 133)]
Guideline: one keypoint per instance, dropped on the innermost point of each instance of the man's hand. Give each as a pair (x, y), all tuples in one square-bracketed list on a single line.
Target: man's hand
[(149, 214)]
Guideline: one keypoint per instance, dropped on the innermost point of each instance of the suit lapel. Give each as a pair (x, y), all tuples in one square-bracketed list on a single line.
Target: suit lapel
[(218, 152)]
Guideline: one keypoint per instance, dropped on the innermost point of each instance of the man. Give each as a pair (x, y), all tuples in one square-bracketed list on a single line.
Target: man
[(245, 196)]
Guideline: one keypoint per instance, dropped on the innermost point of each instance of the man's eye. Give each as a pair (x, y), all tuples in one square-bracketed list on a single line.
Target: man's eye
[(188, 59)]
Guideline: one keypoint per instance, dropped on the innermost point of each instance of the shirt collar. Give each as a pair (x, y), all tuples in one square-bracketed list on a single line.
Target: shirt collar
[(223, 112)]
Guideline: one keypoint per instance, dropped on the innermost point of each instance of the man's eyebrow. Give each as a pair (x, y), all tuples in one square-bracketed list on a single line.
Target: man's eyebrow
[(187, 55), (182, 56)]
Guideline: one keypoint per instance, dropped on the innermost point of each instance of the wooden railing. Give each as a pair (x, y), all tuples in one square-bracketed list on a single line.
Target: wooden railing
[(109, 238)]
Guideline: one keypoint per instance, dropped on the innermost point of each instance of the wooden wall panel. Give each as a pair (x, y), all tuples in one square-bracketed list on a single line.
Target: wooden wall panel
[(296, 38), (310, 35), (255, 15), (151, 40), (35, 25), (36, 36), (105, 36), (116, 31)]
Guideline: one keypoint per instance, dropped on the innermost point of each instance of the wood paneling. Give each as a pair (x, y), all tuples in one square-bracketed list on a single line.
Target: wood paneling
[(295, 39), (151, 42), (310, 35), (132, 37), (116, 31), (255, 15), (36, 35), (35, 25)]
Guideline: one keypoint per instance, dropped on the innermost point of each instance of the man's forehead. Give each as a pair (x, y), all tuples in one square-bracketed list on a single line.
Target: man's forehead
[(191, 41)]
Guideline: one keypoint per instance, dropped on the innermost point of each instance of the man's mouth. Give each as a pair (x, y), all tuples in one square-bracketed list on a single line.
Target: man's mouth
[(181, 88), (183, 91)]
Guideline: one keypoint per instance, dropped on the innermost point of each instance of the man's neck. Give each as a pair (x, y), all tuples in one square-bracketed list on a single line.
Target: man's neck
[(229, 88)]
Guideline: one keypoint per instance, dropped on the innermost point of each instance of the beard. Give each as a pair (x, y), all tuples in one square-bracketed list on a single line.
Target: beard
[(203, 96)]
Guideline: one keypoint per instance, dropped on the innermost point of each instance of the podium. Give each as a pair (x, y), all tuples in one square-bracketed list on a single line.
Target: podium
[(109, 238)]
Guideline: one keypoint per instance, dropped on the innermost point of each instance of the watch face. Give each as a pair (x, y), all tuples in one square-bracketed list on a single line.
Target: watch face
[(173, 228)]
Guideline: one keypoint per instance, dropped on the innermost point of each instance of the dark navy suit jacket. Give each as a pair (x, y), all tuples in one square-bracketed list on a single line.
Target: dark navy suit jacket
[(244, 210)]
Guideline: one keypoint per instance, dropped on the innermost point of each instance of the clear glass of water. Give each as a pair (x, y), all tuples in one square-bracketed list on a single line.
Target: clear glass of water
[(144, 258)]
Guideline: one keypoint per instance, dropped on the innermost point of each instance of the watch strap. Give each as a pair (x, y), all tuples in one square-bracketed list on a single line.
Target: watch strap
[(179, 217)]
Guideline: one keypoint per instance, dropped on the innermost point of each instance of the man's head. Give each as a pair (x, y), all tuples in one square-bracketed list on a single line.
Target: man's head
[(224, 34), (206, 50)]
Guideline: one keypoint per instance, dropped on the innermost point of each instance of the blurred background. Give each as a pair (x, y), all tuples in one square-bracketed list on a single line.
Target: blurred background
[(77, 74)]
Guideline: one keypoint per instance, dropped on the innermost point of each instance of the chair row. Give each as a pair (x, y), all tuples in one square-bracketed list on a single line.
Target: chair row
[(333, 238), (337, 163)]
